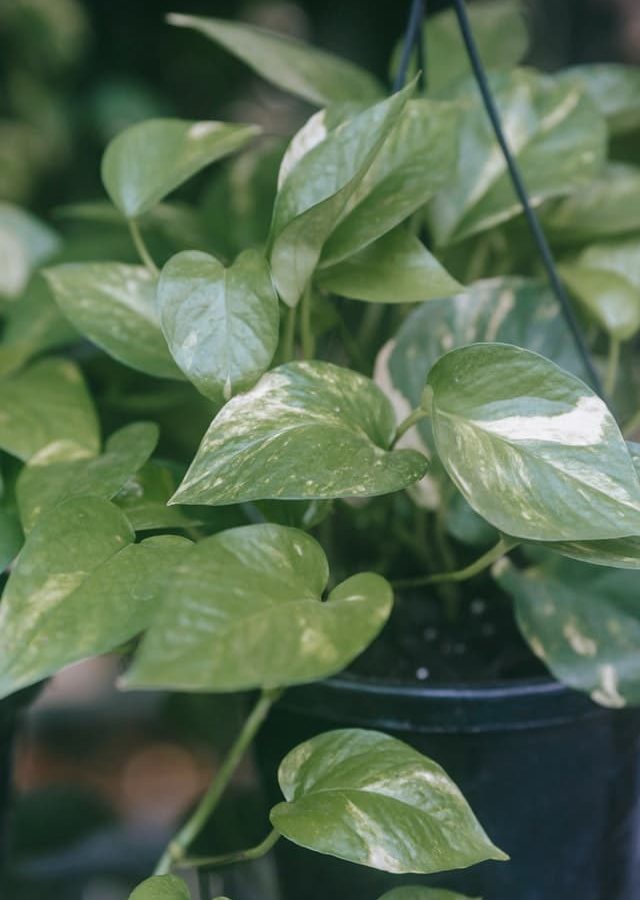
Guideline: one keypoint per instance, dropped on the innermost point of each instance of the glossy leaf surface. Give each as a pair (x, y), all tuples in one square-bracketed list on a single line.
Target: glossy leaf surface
[(397, 268), (414, 162), (161, 887), (46, 480), (296, 67), (612, 301), (79, 588), (148, 160), (114, 305), (44, 404), (314, 196), (554, 131), (371, 799), (221, 324), (244, 611), (583, 622), (307, 430), (531, 447)]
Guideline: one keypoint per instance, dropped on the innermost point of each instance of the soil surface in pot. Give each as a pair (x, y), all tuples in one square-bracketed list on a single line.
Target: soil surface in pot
[(454, 633)]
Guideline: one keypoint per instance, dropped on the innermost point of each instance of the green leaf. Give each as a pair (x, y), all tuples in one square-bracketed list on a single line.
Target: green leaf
[(46, 480), (609, 205), (161, 887), (44, 404), (144, 496), (416, 892), (25, 243), (114, 305), (611, 300), (296, 67), (148, 160), (371, 799), (517, 311), (313, 197), (244, 611), (414, 162), (307, 430), (615, 90), (500, 32), (532, 448), (556, 135), (582, 622), (33, 324), (221, 324), (79, 588), (397, 268)]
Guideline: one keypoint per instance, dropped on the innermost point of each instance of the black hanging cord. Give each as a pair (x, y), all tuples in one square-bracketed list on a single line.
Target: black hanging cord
[(532, 219), (412, 36)]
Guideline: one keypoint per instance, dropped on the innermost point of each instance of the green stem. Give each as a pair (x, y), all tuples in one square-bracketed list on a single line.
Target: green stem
[(306, 331), (288, 347), (613, 361), (632, 425), (487, 559), (141, 247), (227, 859), (175, 851), (416, 416)]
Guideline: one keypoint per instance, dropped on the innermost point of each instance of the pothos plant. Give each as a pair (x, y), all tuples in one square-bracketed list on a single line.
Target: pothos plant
[(364, 324)]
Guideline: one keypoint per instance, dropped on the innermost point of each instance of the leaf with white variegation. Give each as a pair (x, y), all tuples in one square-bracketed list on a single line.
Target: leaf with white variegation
[(244, 611), (114, 305), (414, 162), (615, 90), (584, 623), (221, 324), (46, 480), (148, 160), (397, 268), (314, 196), (555, 133), (161, 887), (531, 447), (369, 798), (80, 588), (44, 404), (307, 430), (290, 64)]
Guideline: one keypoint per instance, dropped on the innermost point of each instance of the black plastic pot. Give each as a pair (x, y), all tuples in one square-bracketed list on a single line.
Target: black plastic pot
[(552, 777)]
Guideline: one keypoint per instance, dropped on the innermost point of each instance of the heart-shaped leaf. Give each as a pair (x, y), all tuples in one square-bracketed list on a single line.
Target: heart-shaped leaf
[(161, 887), (615, 90), (302, 70), (314, 195), (307, 430), (554, 131), (609, 205), (44, 404), (46, 480), (371, 799), (531, 447), (221, 324), (414, 162), (244, 611), (499, 30), (25, 243), (148, 160), (397, 268), (417, 892), (79, 588), (584, 623), (114, 305), (510, 310)]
